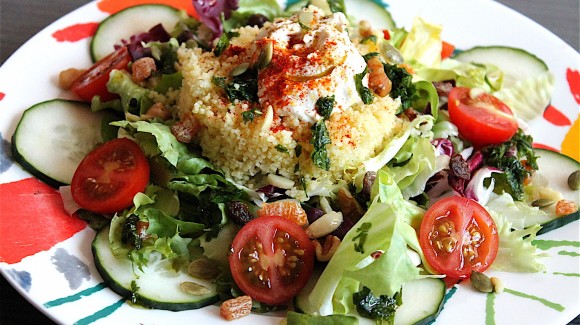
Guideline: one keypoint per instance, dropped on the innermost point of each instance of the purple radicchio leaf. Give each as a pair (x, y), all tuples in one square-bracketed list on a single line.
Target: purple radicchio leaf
[(475, 161), (443, 146), (135, 43), (210, 13), (475, 189)]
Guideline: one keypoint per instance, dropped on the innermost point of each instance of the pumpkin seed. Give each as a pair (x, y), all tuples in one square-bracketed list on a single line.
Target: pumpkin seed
[(481, 282), (193, 288), (391, 53), (240, 69), (542, 203), (203, 268), (574, 180), (265, 56)]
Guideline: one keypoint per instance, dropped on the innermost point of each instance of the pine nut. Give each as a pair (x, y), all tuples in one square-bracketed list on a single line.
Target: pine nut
[(324, 225), (279, 181)]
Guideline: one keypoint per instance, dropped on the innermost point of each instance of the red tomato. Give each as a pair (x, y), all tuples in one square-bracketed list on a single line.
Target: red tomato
[(93, 82), (109, 177), (446, 49), (483, 120), (272, 259), (458, 236)]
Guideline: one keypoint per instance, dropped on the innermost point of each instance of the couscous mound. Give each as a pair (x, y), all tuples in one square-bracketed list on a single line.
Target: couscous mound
[(249, 139)]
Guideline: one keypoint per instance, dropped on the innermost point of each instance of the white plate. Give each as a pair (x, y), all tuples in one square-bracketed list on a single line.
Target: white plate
[(55, 270)]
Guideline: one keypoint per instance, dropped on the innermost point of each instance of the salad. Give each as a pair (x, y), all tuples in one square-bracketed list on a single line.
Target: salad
[(169, 218)]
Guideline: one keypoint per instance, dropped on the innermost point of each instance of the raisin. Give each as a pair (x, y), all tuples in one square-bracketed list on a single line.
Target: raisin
[(238, 212), (257, 20)]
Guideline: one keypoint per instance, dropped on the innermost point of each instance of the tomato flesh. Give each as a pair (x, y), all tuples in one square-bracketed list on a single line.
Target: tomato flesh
[(93, 82), (458, 236), (483, 120), (108, 178), (272, 259)]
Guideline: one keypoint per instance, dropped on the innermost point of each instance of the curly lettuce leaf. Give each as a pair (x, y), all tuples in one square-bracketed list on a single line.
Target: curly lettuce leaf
[(516, 252)]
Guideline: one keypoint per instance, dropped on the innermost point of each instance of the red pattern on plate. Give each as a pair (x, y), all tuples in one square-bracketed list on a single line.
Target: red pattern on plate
[(33, 219), (75, 32), (543, 146), (113, 6), (573, 77), (554, 116), (2, 95)]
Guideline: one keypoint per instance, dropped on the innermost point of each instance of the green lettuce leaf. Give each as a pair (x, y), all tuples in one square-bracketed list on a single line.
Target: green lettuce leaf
[(422, 46), (419, 127), (389, 218), (411, 173), (516, 252)]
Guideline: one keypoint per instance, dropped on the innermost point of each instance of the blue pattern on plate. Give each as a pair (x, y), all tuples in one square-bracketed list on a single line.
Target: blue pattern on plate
[(5, 158), (73, 269), (22, 278)]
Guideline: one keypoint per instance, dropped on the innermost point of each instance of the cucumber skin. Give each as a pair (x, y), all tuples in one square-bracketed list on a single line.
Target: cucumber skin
[(17, 157), (499, 47), (558, 223), (144, 302)]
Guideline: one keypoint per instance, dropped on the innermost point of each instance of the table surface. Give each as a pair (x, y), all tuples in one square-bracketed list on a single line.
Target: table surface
[(559, 16)]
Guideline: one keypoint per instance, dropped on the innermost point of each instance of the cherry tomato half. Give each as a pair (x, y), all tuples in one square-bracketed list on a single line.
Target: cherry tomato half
[(93, 82), (458, 236), (272, 259), (483, 120), (108, 178)]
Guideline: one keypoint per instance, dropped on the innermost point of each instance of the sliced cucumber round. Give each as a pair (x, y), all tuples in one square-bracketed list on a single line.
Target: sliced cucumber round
[(517, 64), (53, 137), (156, 285), (373, 11), (128, 22), (556, 168), (421, 302)]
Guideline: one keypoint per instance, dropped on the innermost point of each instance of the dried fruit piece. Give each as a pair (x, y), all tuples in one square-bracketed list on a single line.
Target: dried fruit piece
[(236, 308)]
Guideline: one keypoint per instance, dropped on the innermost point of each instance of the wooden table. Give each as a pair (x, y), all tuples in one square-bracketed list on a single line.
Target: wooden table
[(20, 20)]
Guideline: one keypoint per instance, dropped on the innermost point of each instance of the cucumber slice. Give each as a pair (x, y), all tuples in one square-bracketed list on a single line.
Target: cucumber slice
[(373, 10), (128, 22), (422, 300), (556, 168), (529, 98), (517, 64), (157, 284), (53, 137)]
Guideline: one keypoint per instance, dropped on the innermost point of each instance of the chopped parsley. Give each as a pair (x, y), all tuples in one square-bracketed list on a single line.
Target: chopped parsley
[(281, 148), (242, 87), (365, 94), (370, 38), (250, 115), (517, 160), (370, 55), (380, 308), (324, 106), (320, 139), (363, 231), (224, 42), (402, 85)]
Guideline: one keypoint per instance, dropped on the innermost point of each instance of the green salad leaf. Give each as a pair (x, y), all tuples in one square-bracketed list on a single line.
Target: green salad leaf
[(390, 217)]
